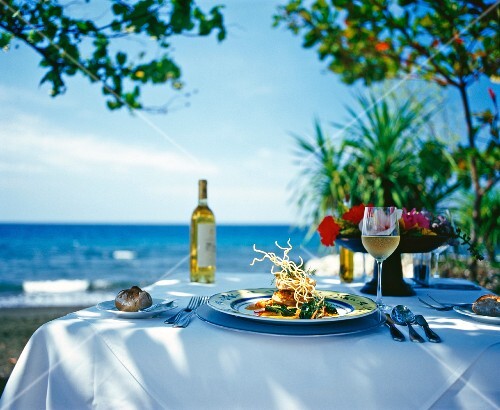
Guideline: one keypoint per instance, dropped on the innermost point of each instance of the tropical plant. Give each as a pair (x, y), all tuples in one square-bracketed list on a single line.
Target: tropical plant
[(490, 232), (69, 44), (438, 171), (450, 43), (382, 141), (323, 184), (382, 159)]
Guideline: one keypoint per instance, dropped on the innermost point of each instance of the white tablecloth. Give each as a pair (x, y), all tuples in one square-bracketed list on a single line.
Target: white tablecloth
[(89, 359)]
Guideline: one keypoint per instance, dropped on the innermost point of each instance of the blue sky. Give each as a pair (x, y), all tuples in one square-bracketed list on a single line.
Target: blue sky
[(69, 159)]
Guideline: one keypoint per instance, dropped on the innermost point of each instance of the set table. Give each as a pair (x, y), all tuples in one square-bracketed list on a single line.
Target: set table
[(92, 359)]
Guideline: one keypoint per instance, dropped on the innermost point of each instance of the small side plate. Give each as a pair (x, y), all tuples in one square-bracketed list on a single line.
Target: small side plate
[(467, 311), (109, 306)]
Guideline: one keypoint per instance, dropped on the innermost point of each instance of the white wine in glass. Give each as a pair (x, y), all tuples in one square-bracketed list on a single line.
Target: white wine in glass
[(380, 237)]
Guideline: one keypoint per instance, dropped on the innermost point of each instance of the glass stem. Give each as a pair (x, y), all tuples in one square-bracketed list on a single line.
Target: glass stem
[(363, 278), (379, 283)]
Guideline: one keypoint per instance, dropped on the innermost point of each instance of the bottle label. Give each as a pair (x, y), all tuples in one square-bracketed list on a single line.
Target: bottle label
[(206, 245)]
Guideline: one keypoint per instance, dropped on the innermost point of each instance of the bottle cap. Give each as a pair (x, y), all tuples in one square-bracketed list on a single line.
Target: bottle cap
[(202, 189)]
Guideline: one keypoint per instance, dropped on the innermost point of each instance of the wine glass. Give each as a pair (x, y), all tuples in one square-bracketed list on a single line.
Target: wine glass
[(380, 237)]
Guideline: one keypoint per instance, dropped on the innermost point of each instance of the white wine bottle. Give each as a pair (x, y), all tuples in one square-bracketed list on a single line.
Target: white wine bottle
[(202, 239)]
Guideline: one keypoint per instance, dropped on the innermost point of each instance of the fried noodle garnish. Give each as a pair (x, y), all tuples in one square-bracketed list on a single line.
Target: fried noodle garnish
[(291, 276)]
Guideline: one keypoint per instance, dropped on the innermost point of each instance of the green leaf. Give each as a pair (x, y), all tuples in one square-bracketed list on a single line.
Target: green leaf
[(70, 46), (121, 58), (5, 39)]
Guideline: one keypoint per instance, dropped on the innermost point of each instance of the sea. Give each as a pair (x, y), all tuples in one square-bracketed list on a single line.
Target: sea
[(82, 264)]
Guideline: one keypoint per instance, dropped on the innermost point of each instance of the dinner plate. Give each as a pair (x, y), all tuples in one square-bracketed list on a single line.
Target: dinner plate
[(109, 306), (467, 311), (236, 303), (241, 324)]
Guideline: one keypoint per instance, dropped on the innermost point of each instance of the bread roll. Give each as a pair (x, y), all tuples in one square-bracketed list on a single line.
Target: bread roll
[(133, 299), (487, 305)]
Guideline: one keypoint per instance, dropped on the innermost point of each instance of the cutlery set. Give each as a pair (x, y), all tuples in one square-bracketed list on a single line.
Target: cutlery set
[(183, 317), (400, 315), (403, 316)]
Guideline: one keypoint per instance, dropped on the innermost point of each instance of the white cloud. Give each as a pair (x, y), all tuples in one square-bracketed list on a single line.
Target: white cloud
[(265, 153), (31, 146), (11, 95), (48, 172)]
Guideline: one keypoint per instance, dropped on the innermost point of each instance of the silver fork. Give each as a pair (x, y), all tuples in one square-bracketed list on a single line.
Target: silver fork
[(184, 319), (448, 304), (191, 304), (442, 306)]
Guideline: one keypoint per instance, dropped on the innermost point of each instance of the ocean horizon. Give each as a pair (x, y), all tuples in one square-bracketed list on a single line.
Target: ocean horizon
[(69, 264)]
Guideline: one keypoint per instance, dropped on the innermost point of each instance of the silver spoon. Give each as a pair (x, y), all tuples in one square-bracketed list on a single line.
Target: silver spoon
[(404, 316), (431, 335)]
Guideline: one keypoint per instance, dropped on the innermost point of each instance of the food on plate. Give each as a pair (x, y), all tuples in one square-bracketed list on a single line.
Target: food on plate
[(487, 305), (296, 296), (133, 299)]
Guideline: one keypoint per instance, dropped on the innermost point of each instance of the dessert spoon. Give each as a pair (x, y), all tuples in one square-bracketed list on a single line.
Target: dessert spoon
[(402, 315)]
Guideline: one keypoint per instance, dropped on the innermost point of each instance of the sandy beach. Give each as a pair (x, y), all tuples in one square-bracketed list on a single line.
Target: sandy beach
[(16, 327)]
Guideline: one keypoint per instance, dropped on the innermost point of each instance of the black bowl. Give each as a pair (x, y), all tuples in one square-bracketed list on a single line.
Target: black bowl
[(407, 244)]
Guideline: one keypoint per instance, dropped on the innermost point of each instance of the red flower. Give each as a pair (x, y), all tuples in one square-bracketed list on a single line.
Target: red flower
[(355, 214), (458, 41), (328, 230), (382, 46)]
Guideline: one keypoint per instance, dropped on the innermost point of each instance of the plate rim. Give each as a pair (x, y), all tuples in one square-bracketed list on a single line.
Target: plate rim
[(242, 325), (278, 320), (481, 318), (134, 315)]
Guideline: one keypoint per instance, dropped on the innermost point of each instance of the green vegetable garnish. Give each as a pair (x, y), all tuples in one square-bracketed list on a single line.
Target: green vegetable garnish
[(308, 308), (330, 308), (281, 309)]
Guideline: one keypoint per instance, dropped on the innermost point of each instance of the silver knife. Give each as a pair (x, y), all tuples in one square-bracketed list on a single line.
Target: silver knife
[(431, 335)]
